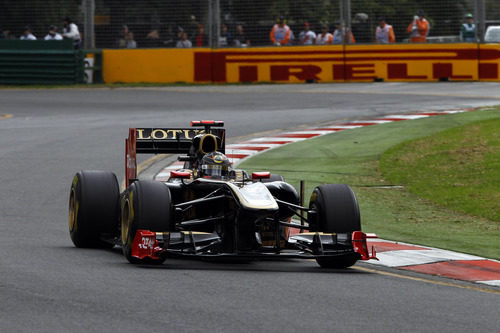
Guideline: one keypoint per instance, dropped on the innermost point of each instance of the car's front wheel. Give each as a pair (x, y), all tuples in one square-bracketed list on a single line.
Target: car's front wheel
[(146, 205), (337, 211)]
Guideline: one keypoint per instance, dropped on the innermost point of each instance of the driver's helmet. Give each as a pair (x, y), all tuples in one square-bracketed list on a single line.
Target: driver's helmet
[(215, 165)]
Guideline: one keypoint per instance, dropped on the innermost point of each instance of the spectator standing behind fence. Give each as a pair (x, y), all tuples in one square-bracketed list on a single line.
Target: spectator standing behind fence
[(170, 37), (122, 37), (324, 38), (70, 31), (240, 39), (306, 36), (201, 37), (27, 35), (468, 30), (130, 43), (153, 39), (280, 33), (384, 34), (53, 34), (184, 42), (225, 38), (343, 34), (418, 28), (6, 34)]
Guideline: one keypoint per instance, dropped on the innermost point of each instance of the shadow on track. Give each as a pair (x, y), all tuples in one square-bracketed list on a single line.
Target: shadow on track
[(222, 264)]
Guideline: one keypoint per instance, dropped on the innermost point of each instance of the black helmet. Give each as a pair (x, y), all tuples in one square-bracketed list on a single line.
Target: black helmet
[(215, 165)]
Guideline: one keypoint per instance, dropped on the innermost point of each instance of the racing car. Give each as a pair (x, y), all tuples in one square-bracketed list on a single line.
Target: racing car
[(209, 209)]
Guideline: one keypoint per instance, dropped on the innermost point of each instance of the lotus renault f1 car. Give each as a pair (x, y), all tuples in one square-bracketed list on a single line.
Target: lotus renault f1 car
[(208, 209)]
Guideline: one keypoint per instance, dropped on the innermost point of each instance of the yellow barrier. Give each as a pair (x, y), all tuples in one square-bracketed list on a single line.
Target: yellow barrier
[(148, 65), (336, 63), (412, 62)]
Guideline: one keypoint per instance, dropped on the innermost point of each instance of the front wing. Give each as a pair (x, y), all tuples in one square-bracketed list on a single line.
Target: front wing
[(156, 245)]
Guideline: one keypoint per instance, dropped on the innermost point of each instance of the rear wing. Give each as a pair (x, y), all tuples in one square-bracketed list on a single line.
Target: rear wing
[(166, 141)]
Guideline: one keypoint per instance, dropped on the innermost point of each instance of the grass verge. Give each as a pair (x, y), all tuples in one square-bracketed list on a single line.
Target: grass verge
[(352, 157)]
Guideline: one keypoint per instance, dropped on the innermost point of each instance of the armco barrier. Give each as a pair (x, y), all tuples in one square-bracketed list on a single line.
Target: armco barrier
[(336, 63), (40, 62)]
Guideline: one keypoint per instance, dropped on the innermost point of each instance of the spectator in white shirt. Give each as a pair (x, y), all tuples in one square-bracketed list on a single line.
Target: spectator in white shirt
[(70, 31), (184, 42), (53, 34), (306, 36), (27, 35)]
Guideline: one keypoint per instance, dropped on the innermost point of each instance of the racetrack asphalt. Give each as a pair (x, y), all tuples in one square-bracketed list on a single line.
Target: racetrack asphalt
[(48, 285)]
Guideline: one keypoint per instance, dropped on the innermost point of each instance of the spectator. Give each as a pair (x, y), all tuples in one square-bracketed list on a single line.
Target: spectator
[(324, 38), (384, 34), (343, 35), (184, 42), (122, 37), (225, 38), (240, 39), (360, 27), (130, 43), (7, 34), (468, 30), (170, 37), (291, 40), (180, 31), (153, 39), (27, 35), (70, 31), (53, 34), (418, 28), (306, 36), (280, 33), (201, 38)]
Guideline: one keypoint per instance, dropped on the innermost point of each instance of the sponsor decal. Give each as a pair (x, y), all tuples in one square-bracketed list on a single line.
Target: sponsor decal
[(167, 134), (352, 64), (147, 243)]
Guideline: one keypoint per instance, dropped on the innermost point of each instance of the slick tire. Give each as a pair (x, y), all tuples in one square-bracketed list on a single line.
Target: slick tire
[(337, 212), (94, 208), (146, 205)]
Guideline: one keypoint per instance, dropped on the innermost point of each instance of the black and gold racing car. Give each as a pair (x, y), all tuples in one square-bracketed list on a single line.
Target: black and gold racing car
[(209, 209)]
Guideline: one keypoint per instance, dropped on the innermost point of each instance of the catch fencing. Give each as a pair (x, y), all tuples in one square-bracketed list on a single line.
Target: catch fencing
[(241, 23)]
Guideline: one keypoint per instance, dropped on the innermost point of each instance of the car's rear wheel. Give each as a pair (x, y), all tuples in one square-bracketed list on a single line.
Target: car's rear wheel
[(337, 211), (93, 208), (147, 205)]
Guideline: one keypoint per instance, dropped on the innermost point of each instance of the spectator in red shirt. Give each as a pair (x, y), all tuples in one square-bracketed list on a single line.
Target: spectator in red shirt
[(201, 38)]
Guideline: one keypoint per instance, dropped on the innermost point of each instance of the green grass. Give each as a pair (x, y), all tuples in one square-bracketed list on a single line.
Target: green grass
[(352, 157), (458, 168)]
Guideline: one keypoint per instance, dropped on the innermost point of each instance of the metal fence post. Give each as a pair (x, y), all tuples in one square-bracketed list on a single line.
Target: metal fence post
[(213, 23), (481, 19), (348, 19), (217, 23), (341, 11), (210, 22), (88, 7)]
